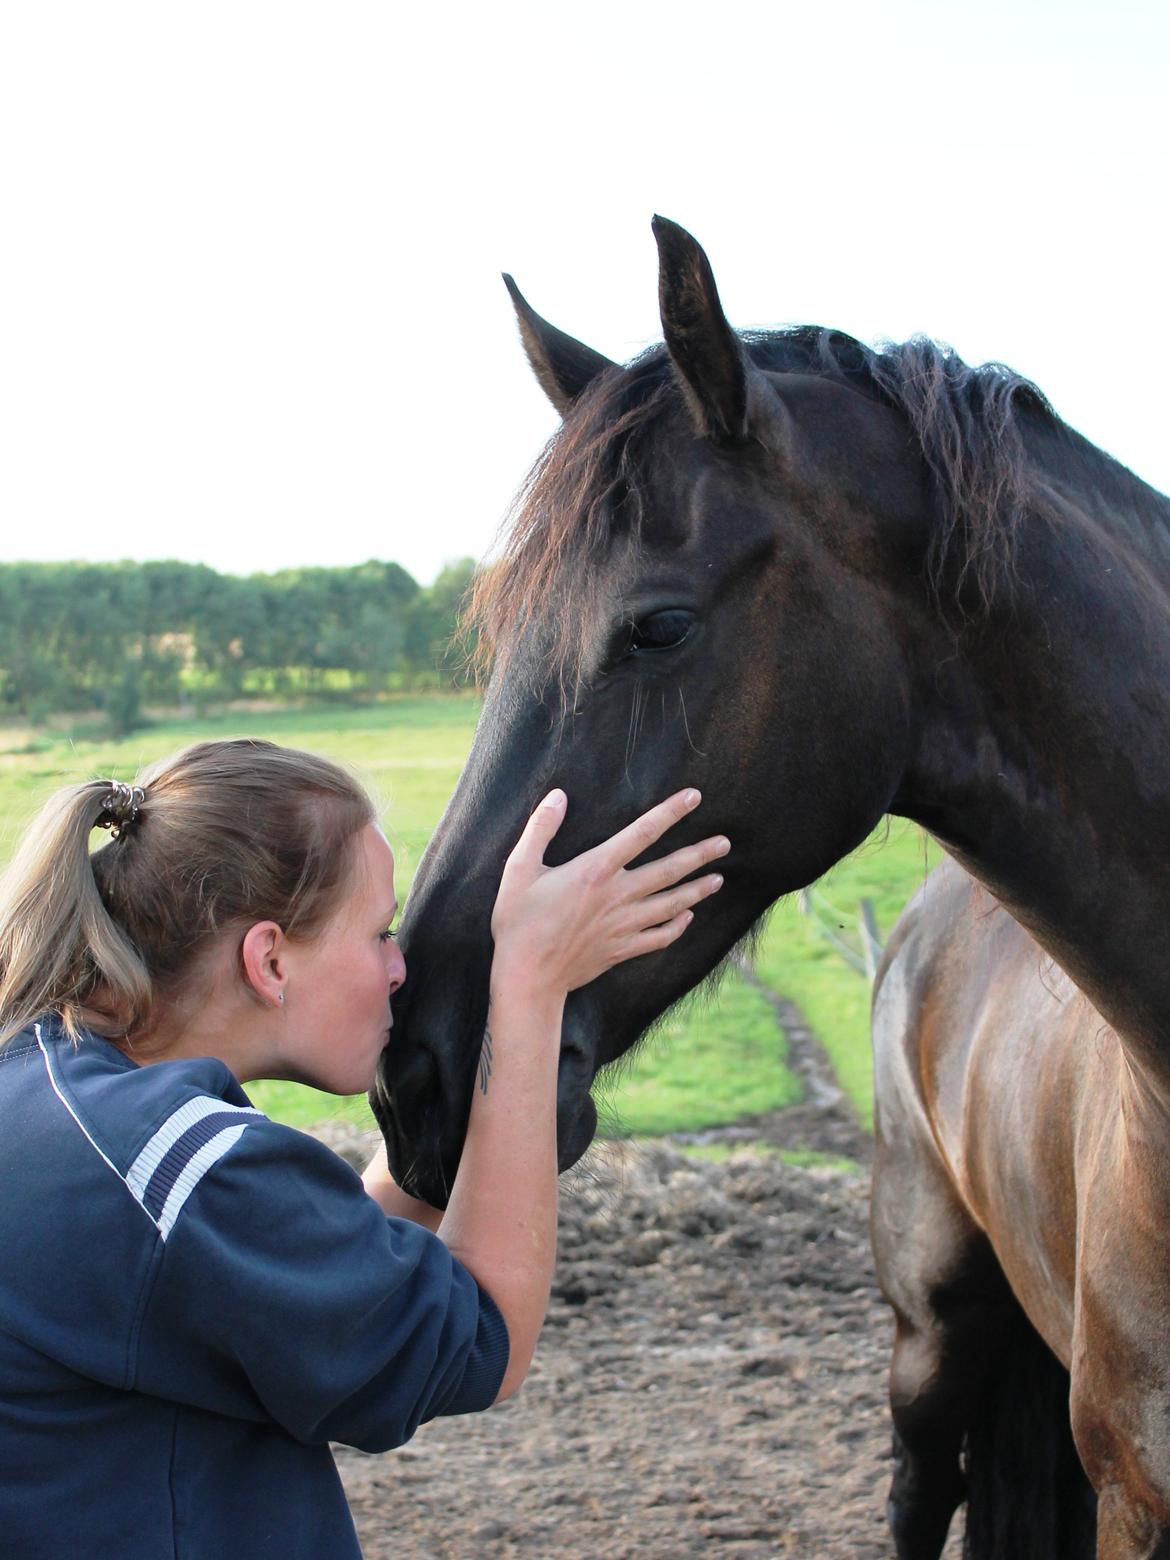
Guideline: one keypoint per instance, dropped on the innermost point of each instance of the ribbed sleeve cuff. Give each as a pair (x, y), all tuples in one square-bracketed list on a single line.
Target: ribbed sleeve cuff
[(486, 1363)]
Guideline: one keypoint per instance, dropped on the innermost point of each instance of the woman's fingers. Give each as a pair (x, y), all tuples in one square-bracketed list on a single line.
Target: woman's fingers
[(575, 922), (660, 874), (648, 829), (659, 937), (657, 909)]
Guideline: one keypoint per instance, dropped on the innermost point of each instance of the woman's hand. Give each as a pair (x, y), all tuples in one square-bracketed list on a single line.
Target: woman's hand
[(567, 925)]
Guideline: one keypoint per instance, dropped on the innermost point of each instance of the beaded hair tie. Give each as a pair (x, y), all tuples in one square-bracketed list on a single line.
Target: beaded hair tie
[(120, 808)]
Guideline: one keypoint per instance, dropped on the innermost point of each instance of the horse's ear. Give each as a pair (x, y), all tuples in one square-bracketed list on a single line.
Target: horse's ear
[(563, 366), (705, 350)]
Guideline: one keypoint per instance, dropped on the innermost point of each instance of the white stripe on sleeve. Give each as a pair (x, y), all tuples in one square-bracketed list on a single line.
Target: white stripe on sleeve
[(194, 1171), (172, 1129)]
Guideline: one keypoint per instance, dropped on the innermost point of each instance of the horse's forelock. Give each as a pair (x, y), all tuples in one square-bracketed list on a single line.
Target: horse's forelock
[(583, 488)]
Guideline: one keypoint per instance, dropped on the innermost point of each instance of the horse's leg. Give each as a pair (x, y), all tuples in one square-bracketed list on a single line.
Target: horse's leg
[(927, 1485), (1128, 1532), (1128, 1526), (1120, 1362), (951, 1307), (933, 1264), (1121, 1422)]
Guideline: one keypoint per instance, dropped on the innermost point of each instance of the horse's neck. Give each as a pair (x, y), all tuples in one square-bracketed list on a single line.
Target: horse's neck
[(1045, 761)]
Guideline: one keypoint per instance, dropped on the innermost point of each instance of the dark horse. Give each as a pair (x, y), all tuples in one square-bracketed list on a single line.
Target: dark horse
[(825, 583)]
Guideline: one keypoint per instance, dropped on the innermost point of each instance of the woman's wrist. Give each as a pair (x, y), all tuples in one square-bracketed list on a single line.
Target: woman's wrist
[(516, 975)]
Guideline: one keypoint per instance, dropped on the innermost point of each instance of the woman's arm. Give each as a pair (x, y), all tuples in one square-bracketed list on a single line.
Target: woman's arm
[(554, 929), (390, 1197), (501, 1220)]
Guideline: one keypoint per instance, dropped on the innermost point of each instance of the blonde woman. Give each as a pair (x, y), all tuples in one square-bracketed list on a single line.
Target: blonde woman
[(195, 1300)]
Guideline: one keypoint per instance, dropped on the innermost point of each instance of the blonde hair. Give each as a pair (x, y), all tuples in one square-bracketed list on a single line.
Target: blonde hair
[(226, 833)]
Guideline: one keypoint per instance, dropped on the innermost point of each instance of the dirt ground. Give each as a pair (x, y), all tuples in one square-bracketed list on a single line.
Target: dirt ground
[(710, 1380)]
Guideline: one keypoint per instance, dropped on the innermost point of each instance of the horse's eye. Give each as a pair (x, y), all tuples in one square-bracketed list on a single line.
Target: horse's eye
[(664, 630)]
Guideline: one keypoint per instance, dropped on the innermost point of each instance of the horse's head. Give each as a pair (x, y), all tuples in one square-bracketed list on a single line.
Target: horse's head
[(706, 584)]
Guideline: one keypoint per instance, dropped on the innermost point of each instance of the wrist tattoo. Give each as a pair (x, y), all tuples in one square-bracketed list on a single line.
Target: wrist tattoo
[(485, 1061)]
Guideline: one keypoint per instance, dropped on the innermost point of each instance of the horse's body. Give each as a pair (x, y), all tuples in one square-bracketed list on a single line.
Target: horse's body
[(823, 585), (995, 1079)]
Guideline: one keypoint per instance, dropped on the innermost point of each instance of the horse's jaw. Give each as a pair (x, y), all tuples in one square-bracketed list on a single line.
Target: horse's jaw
[(576, 1134), (576, 1112)]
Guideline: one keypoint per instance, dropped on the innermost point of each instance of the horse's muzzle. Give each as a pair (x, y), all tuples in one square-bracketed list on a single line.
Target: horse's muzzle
[(423, 1114)]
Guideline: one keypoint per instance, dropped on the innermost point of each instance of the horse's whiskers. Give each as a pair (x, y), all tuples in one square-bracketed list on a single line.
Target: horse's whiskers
[(633, 730), (682, 704)]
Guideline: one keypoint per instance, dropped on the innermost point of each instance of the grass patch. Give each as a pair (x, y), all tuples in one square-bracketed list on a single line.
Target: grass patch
[(299, 1106), (756, 1148), (813, 1159), (708, 1064), (720, 1153), (795, 960), (408, 751)]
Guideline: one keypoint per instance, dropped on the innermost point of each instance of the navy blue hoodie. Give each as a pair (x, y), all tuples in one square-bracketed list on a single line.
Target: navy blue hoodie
[(194, 1301)]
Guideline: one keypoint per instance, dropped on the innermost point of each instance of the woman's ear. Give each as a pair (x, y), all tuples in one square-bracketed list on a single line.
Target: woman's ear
[(263, 955)]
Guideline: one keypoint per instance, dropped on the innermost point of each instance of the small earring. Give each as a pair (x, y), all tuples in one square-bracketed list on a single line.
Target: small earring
[(280, 996)]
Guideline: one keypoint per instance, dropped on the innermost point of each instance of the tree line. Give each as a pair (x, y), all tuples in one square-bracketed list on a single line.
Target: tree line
[(117, 636)]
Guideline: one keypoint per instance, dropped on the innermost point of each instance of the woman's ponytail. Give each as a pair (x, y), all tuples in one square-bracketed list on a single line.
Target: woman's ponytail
[(58, 943)]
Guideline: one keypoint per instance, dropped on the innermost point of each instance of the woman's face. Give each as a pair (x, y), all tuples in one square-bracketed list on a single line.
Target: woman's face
[(336, 1016)]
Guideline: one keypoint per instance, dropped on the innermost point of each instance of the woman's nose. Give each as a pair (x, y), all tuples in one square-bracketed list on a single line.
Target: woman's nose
[(397, 969)]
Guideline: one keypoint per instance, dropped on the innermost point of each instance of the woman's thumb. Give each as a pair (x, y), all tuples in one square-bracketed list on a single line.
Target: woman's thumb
[(543, 824)]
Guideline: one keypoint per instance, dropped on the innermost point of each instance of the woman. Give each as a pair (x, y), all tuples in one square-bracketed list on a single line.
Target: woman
[(195, 1300)]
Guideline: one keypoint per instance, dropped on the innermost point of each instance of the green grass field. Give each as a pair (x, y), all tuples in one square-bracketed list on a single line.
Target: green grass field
[(795, 959), (712, 1061)]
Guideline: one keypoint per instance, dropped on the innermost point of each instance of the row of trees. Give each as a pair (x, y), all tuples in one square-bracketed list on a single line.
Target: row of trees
[(77, 636)]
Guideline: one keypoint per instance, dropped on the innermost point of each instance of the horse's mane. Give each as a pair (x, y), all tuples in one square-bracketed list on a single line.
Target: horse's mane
[(584, 488), (966, 424)]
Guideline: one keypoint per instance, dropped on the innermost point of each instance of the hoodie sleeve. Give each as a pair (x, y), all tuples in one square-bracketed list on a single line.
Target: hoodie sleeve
[(283, 1292)]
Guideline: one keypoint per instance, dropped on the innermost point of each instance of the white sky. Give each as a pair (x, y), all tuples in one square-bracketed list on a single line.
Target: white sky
[(251, 312)]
